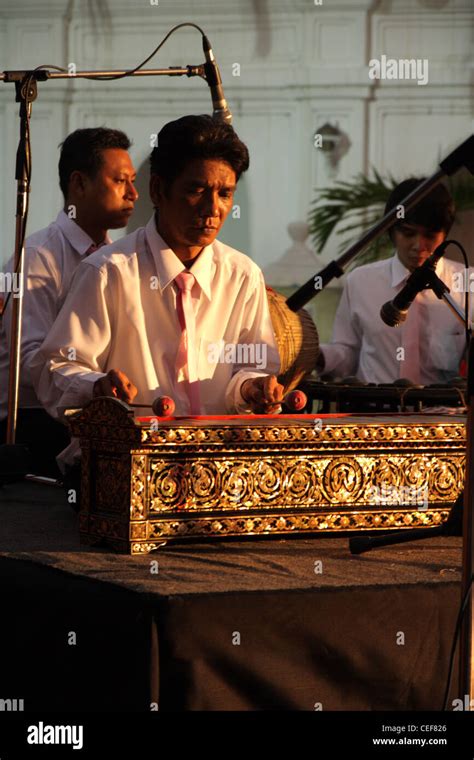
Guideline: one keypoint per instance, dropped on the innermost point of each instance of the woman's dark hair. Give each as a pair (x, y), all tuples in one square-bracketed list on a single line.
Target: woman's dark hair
[(435, 211), (82, 151), (194, 137)]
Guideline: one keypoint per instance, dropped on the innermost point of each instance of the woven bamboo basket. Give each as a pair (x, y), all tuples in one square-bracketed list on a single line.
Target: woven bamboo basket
[(297, 340)]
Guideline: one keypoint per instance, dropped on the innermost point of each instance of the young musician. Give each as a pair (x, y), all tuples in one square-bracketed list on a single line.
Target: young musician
[(428, 346), (164, 310), (96, 177)]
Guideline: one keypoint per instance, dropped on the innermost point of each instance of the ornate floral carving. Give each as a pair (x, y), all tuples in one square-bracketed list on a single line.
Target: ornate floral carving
[(373, 434), (254, 476), (304, 482), (138, 487), (298, 523)]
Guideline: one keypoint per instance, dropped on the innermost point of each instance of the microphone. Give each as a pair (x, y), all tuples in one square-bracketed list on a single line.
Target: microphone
[(394, 312), (213, 78)]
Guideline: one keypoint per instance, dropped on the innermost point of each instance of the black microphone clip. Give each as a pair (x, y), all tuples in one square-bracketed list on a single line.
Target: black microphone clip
[(221, 110)]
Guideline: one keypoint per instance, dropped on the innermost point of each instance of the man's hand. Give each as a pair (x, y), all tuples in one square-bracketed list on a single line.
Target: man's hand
[(117, 384), (263, 394)]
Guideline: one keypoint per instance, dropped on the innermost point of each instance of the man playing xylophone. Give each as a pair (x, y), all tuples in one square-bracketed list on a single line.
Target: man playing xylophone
[(169, 310), (428, 346)]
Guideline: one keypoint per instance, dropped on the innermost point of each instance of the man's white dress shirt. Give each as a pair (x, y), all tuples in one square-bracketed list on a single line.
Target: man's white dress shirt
[(121, 314), (50, 260), (363, 345)]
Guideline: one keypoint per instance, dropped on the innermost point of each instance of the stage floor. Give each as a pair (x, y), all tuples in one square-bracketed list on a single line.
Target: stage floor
[(293, 623)]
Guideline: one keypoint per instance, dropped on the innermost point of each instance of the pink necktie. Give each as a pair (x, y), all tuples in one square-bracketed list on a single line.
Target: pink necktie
[(187, 355)]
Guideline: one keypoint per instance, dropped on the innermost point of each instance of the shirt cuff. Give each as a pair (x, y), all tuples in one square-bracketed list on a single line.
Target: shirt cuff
[(339, 360), (79, 392)]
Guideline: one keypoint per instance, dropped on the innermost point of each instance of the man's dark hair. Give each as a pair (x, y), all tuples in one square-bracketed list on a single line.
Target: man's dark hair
[(196, 137), (82, 151), (435, 211)]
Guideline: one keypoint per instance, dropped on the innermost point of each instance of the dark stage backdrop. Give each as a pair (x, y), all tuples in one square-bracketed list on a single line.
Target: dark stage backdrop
[(282, 624)]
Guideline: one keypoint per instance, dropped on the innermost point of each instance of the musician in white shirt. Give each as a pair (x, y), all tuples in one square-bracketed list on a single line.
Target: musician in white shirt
[(120, 321), (428, 346), (96, 177)]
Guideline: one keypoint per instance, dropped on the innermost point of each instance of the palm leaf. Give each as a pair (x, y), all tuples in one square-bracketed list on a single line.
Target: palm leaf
[(360, 203), (462, 190)]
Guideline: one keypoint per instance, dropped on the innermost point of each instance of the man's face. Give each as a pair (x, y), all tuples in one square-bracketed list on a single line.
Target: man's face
[(108, 198), (194, 207), (415, 244)]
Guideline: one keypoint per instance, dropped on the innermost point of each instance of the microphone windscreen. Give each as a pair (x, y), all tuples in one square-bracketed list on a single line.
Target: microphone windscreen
[(392, 316)]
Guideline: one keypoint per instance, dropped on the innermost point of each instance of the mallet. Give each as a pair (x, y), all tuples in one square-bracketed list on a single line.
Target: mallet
[(295, 401), (162, 406)]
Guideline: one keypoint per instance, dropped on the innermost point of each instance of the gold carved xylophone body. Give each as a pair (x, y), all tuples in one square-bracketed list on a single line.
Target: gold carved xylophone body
[(146, 481)]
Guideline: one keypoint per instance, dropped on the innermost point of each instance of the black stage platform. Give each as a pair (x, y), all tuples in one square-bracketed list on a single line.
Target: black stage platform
[(290, 624)]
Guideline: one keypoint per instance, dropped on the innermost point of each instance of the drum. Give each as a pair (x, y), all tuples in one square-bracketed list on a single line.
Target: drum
[(297, 340)]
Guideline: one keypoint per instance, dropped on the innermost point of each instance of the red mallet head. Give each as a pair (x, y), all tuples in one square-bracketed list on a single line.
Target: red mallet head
[(295, 401), (163, 406)]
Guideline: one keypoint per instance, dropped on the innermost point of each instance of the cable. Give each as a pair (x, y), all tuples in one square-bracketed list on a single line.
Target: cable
[(466, 294), (455, 640), (140, 65)]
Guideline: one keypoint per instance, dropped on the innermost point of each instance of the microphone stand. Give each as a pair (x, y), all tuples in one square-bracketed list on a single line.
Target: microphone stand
[(463, 155), (13, 457), (461, 517), (459, 523), (466, 656)]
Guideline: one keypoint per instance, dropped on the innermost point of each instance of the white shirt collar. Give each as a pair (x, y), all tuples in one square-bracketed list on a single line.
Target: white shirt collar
[(399, 272), (75, 235), (169, 266)]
